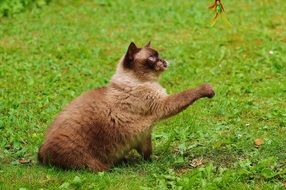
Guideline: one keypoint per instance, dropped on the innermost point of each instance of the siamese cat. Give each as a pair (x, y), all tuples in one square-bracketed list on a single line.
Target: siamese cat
[(100, 127)]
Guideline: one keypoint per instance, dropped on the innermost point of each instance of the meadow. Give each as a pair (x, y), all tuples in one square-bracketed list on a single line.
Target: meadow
[(51, 54)]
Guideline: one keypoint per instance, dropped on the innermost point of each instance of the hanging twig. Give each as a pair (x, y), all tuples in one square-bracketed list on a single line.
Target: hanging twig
[(218, 8)]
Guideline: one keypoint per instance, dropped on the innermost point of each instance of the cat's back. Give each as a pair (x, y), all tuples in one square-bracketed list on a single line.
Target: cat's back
[(88, 101), (89, 106)]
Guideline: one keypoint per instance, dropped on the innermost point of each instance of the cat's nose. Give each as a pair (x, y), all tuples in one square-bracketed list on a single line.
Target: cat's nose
[(165, 63)]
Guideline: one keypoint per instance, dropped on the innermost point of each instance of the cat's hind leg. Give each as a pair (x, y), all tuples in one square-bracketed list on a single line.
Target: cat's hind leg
[(96, 165), (69, 159), (85, 160)]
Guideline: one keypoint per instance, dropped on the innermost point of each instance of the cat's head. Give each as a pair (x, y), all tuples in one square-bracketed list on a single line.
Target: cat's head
[(144, 62)]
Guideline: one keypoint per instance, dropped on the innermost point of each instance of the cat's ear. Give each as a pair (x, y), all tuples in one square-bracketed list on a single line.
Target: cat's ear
[(132, 49), (129, 57), (148, 45)]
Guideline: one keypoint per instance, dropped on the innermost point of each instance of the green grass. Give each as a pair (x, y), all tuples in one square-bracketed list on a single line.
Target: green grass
[(10, 7), (51, 55)]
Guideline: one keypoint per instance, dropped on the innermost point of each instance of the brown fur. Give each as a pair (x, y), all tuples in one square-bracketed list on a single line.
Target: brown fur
[(101, 126)]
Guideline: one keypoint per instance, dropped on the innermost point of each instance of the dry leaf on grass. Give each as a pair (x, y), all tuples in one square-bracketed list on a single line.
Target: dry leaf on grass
[(258, 142), (182, 170), (196, 162), (23, 161), (285, 184)]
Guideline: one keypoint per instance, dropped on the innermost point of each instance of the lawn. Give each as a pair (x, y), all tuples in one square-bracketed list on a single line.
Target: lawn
[(50, 55)]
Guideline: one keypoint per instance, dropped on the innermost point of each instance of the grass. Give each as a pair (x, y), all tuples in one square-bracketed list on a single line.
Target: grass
[(51, 55), (10, 7)]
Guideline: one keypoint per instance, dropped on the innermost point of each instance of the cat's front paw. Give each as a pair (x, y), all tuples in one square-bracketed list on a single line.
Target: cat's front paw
[(207, 90)]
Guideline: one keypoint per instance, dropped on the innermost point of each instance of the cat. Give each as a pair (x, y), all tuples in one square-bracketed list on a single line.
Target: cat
[(99, 128)]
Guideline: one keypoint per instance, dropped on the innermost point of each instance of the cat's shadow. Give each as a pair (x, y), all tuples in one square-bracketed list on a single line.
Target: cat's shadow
[(132, 159)]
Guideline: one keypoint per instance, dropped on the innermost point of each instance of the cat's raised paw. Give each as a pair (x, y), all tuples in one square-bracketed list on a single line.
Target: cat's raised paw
[(207, 90)]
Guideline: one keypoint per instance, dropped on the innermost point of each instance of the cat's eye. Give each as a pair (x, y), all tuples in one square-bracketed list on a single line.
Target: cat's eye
[(152, 59)]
